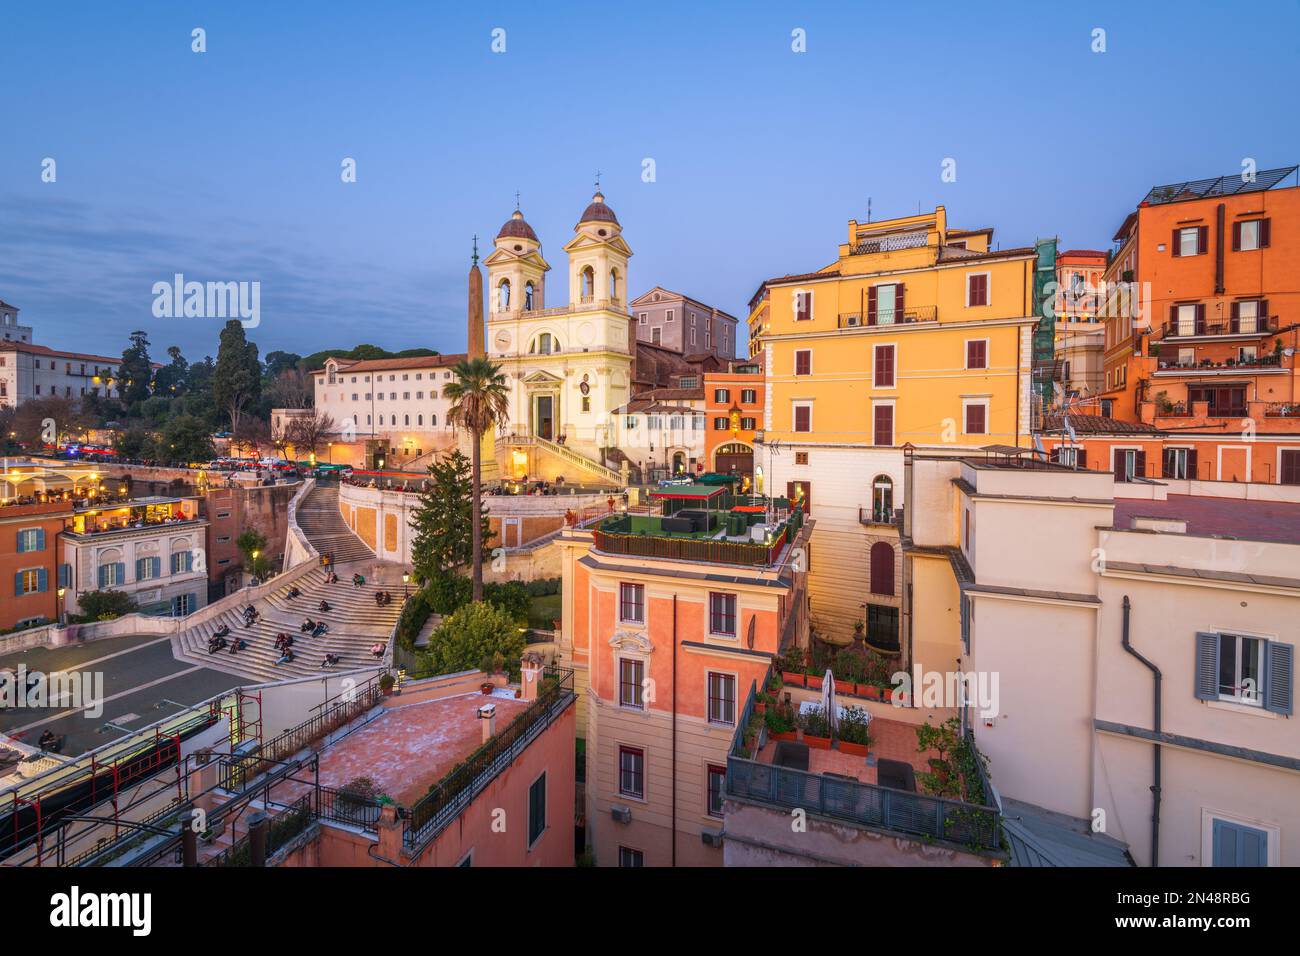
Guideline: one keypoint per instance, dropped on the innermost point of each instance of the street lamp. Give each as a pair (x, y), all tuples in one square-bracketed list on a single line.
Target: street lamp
[(62, 594), (406, 580)]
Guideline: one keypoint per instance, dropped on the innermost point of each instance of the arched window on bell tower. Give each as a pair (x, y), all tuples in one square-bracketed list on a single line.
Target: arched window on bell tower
[(613, 285), (588, 284), (503, 296), (530, 299)]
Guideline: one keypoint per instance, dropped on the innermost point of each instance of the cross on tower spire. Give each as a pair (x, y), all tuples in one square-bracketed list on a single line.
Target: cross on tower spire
[(598, 180), (516, 200), (476, 249)]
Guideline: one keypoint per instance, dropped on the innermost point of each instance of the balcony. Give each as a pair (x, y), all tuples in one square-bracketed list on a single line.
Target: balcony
[(870, 245), (906, 316), (1240, 327), (837, 782), (1262, 365), (1282, 410)]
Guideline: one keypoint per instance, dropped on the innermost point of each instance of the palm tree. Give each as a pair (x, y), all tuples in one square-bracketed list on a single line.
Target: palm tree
[(479, 398)]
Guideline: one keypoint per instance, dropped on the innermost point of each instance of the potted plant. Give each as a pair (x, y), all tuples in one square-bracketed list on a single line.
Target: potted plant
[(780, 724), (358, 801), (853, 735), (760, 703), (386, 682), (816, 728)]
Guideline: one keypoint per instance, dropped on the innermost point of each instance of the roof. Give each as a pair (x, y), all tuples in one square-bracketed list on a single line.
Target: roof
[(1096, 425), (516, 228), (1251, 520), (1039, 837), (393, 364), (1230, 185), (9, 346), (948, 252), (598, 211), (827, 273), (971, 232), (1082, 253), (701, 492)]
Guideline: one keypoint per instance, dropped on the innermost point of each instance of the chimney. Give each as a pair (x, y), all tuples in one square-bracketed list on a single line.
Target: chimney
[(530, 677), (488, 714)]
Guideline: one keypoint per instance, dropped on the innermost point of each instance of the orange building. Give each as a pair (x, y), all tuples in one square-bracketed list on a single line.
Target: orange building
[(733, 412), (29, 561), (1202, 317), (677, 627)]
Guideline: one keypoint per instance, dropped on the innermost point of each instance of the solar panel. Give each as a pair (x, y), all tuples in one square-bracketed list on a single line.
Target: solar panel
[(1230, 185)]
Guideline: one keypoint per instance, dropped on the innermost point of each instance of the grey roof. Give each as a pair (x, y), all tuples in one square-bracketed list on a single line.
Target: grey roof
[(1039, 837)]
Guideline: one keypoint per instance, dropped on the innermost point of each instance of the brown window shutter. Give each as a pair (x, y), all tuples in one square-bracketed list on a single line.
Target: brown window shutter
[(1056, 454), (1191, 463), (1140, 464), (1263, 233), (871, 306), (1175, 245), (898, 302), (1173, 316), (1081, 456), (1236, 315), (1236, 236), (1262, 312), (1202, 240), (1200, 316)]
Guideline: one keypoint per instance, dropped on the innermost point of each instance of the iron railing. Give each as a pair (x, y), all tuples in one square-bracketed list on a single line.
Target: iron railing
[(1263, 325), (347, 808), (450, 796), (868, 245), (903, 316), (706, 550), (858, 803), (283, 827), (1282, 410)]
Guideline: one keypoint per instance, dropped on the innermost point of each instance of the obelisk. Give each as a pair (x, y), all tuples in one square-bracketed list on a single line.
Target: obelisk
[(475, 341)]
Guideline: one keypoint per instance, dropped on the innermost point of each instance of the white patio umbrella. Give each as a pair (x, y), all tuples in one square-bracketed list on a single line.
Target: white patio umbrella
[(829, 705)]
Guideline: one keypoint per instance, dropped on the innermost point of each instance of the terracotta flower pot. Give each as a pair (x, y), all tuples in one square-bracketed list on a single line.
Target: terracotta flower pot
[(487, 687), (857, 750), (784, 735), (819, 743), (812, 683), (845, 687)]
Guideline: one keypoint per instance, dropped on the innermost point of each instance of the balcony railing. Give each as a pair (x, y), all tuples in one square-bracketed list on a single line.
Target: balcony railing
[(614, 536), (861, 804), (904, 316), (1282, 410), (1264, 325), (866, 246), (1262, 363)]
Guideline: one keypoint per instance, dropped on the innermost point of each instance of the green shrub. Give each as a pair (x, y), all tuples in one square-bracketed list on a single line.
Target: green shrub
[(474, 635), (853, 726), (510, 596)]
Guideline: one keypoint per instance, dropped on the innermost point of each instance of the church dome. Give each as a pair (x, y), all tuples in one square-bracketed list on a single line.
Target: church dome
[(516, 228), (598, 211)]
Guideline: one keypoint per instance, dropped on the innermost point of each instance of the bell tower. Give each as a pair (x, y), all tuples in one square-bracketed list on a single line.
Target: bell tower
[(598, 257), (516, 270)]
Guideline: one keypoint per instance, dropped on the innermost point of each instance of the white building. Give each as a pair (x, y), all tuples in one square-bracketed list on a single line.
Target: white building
[(389, 410), (151, 548), (662, 432), (30, 371)]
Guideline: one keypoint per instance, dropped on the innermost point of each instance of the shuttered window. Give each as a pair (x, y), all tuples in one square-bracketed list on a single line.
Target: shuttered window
[(976, 419), (882, 568), (803, 418), (1289, 473), (1235, 844), (883, 425), (803, 362), (977, 354), (977, 289), (1247, 670), (536, 809), (884, 372)]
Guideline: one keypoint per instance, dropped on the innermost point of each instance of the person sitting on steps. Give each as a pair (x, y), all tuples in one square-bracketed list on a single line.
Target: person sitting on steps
[(307, 625), (324, 606), (293, 591), (330, 660), (320, 629), (358, 580), (285, 658)]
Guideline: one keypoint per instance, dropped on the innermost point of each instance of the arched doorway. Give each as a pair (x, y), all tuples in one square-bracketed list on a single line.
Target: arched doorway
[(679, 463), (735, 458)]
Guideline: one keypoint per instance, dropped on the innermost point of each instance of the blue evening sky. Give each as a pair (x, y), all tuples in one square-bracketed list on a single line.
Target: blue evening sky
[(226, 165)]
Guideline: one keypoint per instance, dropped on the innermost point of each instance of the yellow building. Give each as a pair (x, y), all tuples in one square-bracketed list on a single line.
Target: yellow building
[(917, 334)]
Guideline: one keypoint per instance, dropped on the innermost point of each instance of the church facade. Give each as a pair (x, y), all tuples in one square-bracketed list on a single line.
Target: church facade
[(570, 364)]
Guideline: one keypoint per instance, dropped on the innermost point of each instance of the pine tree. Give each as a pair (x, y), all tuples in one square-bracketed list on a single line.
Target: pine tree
[(444, 539)]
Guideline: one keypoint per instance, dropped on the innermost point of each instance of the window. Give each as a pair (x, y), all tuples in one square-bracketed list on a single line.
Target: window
[(977, 418), (586, 403), (631, 677), (801, 458), (628, 857), (529, 297), (721, 424), (670, 315), (183, 604), (31, 581), (631, 772), (882, 568), (884, 366), (882, 499), (631, 603), (503, 295), (536, 809), (1235, 844), (721, 396), (883, 425), (657, 337), (146, 569), (1247, 313), (722, 614), (977, 353), (722, 698), (977, 289), (717, 787), (802, 305), (803, 418), (1289, 467), (1070, 457), (747, 424), (182, 561), (882, 625), (1247, 670), (1191, 241), (1129, 463), (803, 362), (1250, 234), (31, 539), (1108, 407), (643, 318), (748, 396)]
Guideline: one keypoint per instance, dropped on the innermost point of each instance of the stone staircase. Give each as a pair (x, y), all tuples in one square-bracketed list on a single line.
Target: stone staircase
[(318, 517), (589, 470), (355, 622)]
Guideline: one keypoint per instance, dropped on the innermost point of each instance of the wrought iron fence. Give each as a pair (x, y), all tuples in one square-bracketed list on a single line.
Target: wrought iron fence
[(451, 795), (282, 828), (889, 316), (351, 809)]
